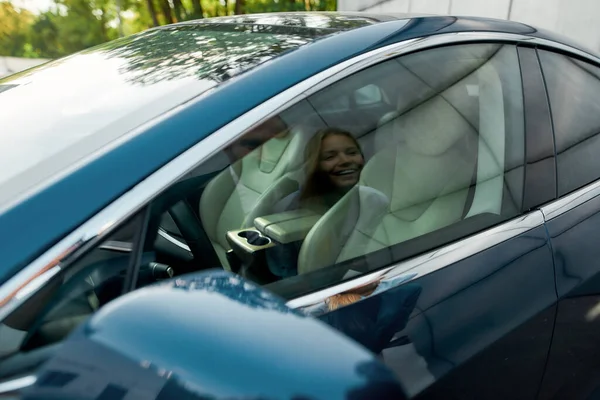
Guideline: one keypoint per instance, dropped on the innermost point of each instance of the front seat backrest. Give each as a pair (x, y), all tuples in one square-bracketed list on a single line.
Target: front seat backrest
[(232, 195)]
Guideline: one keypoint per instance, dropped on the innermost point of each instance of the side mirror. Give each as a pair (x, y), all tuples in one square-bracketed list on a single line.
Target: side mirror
[(205, 336)]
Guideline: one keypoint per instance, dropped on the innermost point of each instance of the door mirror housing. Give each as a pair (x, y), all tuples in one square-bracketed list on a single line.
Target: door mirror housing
[(210, 335)]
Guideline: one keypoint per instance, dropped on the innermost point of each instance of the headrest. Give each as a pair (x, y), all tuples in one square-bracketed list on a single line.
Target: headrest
[(432, 128), (270, 152)]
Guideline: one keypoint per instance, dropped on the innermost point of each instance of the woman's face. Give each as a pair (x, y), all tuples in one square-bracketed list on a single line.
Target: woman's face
[(341, 161)]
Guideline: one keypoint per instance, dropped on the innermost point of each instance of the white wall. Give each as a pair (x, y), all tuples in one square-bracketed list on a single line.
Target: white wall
[(11, 65), (576, 19)]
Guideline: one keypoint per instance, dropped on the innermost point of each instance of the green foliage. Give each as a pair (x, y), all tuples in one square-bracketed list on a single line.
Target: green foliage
[(73, 25), (44, 37), (205, 51), (14, 30)]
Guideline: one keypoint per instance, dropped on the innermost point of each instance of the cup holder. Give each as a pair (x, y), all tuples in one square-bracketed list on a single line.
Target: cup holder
[(248, 241), (254, 238)]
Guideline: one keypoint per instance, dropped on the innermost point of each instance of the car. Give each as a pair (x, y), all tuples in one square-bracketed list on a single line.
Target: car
[(159, 238)]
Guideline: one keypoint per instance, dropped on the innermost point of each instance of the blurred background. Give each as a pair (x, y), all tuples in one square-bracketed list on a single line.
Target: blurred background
[(34, 31)]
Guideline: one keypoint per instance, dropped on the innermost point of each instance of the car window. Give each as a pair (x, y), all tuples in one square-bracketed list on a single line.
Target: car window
[(573, 88), (151, 70), (318, 194), (80, 289)]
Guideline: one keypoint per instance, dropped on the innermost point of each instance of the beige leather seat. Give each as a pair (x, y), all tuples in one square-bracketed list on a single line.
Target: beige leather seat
[(277, 198), (426, 159), (229, 200)]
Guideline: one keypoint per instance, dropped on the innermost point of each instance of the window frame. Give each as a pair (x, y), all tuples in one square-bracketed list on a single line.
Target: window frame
[(540, 150), (24, 361), (133, 249), (581, 57), (21, 286)]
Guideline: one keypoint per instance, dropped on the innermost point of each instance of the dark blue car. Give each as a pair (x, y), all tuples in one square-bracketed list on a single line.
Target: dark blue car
[(304, 206)]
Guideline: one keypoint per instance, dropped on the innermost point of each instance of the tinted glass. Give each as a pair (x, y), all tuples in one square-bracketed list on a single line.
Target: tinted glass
[(574, 91), (88, 100), (428, 148)]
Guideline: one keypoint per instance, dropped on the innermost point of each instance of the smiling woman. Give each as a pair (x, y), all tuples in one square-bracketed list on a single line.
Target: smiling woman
[(334, 159)]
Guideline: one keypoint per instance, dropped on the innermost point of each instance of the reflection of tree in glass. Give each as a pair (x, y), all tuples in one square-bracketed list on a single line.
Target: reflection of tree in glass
[(310, 20), (233, 287), (204, 51)]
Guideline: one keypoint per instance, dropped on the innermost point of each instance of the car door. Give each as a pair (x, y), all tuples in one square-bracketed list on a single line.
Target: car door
[(472, 319), (438, 259), (573, 84)]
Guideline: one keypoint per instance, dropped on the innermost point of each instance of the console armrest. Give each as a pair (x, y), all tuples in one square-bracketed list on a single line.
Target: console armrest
[(287, 227)]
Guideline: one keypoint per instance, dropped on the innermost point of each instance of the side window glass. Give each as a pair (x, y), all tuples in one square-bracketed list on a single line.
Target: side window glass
[(71, 296), (341, 103), (573, 88), (431, 151), (445, 162)]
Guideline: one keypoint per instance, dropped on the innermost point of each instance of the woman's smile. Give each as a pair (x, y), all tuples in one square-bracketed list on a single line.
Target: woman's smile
[(341, 161)]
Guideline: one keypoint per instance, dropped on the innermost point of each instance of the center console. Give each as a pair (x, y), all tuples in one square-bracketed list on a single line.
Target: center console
[(249, 246)]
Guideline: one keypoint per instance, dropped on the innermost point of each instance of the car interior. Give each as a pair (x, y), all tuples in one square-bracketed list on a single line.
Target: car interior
[(432, 127), (434, 157)]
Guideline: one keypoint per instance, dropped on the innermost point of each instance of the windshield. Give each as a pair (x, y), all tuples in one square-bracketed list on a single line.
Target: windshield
[(76, 105)]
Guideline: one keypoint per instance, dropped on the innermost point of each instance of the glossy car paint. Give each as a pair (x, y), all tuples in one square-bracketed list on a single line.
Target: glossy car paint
[(573, 369), (453, 327), (138, 347), (574, 363), (478, 303)]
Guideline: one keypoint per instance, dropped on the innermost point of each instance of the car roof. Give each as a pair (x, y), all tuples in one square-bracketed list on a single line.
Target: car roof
[(344, 20), (68, 198)]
